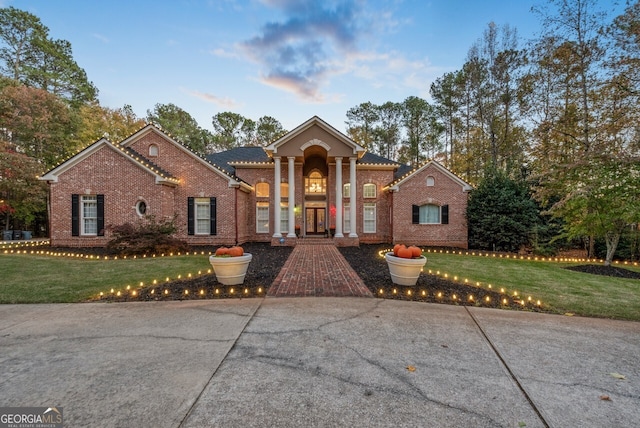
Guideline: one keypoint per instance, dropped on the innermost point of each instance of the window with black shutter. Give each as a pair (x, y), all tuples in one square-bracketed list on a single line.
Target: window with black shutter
[(444, 214), (190, 216), (212, 216), (100, 201), (75, 215)]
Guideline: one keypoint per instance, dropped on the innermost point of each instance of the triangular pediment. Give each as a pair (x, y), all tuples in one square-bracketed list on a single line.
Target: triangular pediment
[(315, 134)]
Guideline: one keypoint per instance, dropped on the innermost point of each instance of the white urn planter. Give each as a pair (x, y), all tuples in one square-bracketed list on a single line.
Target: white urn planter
[(230, 270), (404, 271)]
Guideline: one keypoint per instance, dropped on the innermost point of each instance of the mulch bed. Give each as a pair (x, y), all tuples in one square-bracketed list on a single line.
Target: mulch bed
[(606, 271), (265, 265), (372, 268), (368, 264)]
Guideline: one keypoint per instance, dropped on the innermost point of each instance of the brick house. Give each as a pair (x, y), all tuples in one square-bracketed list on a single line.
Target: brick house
[(327, 186)]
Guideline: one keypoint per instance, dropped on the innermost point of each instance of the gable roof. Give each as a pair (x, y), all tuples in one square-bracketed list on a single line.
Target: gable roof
[(315, 121), (153, 128), (393, 186), (161, 176)]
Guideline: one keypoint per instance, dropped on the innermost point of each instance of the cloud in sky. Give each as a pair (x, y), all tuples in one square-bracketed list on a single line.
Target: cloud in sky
[(298, 54), (101, 37), (317, 41), (225, 102)]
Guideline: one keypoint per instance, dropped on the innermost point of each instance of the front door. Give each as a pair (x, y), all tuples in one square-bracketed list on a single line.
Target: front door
[(315, 221)]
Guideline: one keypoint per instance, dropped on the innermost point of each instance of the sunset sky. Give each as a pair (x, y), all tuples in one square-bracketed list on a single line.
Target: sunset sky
[(289, 59)]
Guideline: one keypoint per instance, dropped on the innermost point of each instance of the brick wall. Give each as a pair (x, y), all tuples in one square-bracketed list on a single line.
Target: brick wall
[(123, 184), (196, 180), (383, 226), (446, 191), (111, 174)]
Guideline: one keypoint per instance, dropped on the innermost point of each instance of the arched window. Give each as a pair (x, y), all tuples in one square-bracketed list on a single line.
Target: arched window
[(153, 150), (262, 190), (284, 190), (369, 190), (315, 184), (431, 181)]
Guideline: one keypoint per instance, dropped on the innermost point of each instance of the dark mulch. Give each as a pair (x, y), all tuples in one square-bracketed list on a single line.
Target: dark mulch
[(372, 268), (606, 271), (263, 269), (365, 260)]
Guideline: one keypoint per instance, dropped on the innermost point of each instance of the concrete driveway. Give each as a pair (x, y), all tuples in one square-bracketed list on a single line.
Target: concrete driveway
[(315, 362)]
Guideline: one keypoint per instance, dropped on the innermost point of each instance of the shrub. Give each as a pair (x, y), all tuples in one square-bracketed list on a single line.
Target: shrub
[(146, 236)]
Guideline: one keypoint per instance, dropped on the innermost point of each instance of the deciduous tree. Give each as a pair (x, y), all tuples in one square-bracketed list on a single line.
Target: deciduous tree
[(181, 125)]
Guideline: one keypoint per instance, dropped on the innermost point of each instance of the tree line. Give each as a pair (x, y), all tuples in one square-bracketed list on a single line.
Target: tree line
[(556, 117)]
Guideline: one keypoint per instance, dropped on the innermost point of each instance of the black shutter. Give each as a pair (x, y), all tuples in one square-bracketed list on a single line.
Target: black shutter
[(415, 214), (444, 214), (190, 216), (100, 201), (212, 216), (75, 215)]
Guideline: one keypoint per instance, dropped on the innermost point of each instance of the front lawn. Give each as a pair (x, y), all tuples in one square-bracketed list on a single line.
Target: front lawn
[(29, 278), (563, 290)]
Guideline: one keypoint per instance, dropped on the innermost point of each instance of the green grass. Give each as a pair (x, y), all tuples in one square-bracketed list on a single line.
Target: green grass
[(47, 279), (560, 290)]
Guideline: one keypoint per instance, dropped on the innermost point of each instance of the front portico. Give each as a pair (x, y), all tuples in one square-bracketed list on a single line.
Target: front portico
[(313, 160)]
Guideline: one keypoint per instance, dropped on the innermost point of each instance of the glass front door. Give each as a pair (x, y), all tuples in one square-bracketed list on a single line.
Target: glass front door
[(315, 224)]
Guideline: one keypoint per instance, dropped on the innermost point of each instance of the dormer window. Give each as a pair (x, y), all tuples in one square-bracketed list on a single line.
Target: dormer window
[(153, 150)]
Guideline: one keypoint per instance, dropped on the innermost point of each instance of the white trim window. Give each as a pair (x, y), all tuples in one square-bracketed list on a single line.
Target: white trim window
[(346, 219), (202, 216), (89, 210), (262, 190), (346, 190), (429, 214), (369, 218), (369, 190), (262, 217), (284, 217)]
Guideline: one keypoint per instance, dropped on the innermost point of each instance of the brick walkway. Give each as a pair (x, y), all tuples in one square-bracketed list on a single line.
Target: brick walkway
[(316, 268)]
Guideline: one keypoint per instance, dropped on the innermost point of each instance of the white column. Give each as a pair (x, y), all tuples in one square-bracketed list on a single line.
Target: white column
[(292, 197), (276, 199), (352, 197), (339, 198)]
